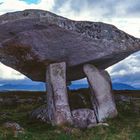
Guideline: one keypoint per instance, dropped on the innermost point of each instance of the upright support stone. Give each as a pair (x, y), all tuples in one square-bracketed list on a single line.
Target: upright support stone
[(101, 95), (57, 99)]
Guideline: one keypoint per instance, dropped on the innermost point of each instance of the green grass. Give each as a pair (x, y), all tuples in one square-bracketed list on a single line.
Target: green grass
[(126, 126)]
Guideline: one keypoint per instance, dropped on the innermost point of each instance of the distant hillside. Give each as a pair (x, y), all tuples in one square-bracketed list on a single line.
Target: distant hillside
[(115, 86), (22, 87), (78, 86), (41, 87), (121, 86)]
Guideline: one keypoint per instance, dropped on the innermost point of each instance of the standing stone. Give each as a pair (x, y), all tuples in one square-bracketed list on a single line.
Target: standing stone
[(101, 95), (57, 98)]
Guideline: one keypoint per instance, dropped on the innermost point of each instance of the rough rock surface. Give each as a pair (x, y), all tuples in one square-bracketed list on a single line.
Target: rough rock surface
[(101, 95), (83, 118), (15, 127), (32, 39), (40, 114), (57, 99)]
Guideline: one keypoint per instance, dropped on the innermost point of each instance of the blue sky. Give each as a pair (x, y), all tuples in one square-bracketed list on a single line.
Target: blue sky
[(125, 14), (31, 1)]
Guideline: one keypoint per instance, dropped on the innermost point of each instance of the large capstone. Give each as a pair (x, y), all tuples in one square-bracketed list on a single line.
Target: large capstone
[(30, 40)]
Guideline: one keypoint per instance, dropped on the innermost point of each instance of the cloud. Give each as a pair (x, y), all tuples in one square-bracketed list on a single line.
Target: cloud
[(18, 5), (99, 8), (31, 1), (8, 73), (127, 71), (11, 76), (134, 8)]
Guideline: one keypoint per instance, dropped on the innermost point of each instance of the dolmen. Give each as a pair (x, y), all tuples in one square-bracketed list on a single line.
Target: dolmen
[(56, 50)]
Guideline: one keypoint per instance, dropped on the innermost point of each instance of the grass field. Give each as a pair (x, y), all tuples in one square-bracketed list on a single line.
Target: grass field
[(126, 126)]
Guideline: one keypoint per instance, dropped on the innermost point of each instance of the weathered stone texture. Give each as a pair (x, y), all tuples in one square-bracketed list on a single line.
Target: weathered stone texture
[(83, 118), (30, 40), (102, 98), (57, 99)]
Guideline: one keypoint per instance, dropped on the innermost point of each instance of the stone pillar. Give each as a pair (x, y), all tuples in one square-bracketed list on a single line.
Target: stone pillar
[(101, 95), (57, 99)]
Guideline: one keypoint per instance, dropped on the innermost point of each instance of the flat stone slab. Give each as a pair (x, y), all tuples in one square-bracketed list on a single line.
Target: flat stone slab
[(30, 40)]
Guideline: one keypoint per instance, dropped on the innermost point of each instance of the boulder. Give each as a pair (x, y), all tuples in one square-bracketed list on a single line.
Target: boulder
[(83, 118), (30, 40), (14, 127), (40, 114)]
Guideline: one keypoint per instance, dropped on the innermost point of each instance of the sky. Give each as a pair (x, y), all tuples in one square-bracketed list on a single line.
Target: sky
[(125, 14)]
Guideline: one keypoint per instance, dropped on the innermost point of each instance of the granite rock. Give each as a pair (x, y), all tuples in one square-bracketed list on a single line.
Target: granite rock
[(32, 39)]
